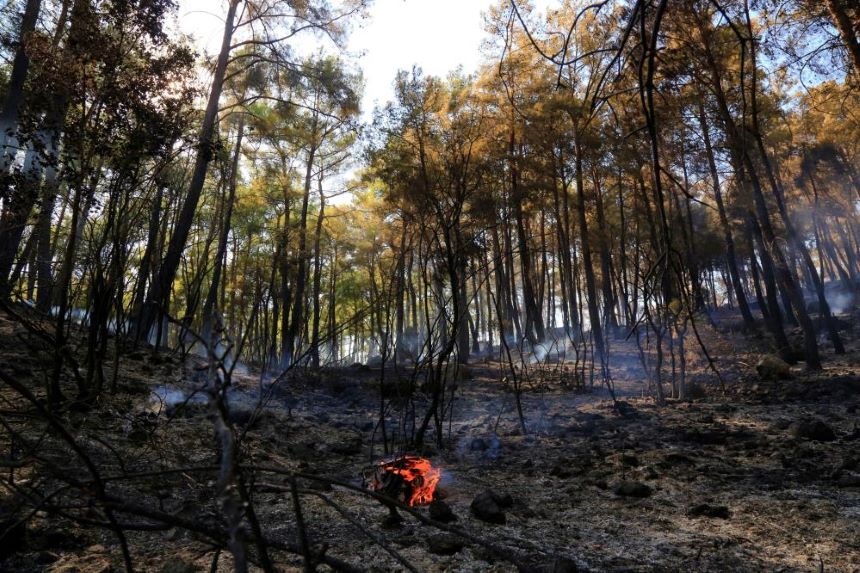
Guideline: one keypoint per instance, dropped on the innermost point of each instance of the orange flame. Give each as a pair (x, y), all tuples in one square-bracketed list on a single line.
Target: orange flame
[(418, 477)]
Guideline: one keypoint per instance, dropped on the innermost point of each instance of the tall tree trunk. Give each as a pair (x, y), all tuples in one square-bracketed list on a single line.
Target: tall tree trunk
[(742, 158), (9, 140), (623, 279), (332, 307), (44, 255), (688, 234), (286, 290), (146, 260), (461, 308), (774, 315), (567, 263), (160, 291), (849, 29), (209, 311), (16, 212), (585, 244), (731, 257), (563, 253), (317, 281), (27, 194), (504, 309), (534, 327), (510, 271), (609, 318), (64, 281), (400, 295), (756, 279), (794, 239), (297, 319)]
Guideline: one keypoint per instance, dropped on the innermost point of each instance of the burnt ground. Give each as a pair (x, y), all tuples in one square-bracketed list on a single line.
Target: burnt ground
[(741, 480)]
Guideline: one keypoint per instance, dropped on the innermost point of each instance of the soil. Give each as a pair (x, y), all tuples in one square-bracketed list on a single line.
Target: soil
[(740, 478)]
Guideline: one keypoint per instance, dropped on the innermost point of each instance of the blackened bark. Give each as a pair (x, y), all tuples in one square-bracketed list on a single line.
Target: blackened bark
[(848, 29), (317, 281), (160, 291), (731, 257), (15, 88), (209, 311), (534, 326)]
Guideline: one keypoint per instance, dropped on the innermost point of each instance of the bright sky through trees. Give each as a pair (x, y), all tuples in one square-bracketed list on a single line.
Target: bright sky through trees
[(438, 35)]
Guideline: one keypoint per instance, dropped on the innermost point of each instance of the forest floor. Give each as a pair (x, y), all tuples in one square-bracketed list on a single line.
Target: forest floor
[(741, 480)]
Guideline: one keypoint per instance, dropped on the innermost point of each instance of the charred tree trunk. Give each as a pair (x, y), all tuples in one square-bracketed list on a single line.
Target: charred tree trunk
[(9, 140), (534, 327), (16, 212), (731, 257), (160, 291), (587, 265), (297, 318), (609, 317), (317, 279), (848, 28), (209, 310)]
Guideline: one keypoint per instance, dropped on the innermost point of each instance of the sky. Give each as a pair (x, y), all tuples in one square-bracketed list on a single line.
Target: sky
[(437, 35)]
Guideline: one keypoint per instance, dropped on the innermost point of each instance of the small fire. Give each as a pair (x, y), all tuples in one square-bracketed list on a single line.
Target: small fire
[(410, 479)]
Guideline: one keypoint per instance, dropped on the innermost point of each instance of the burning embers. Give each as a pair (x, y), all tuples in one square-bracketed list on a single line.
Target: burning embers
[(409, 479)]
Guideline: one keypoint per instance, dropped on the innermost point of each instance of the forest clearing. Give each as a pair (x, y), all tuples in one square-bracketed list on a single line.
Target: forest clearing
[(584, 300)]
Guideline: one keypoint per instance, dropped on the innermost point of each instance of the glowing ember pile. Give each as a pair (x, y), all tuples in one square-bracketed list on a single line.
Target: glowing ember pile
[(409, 479)]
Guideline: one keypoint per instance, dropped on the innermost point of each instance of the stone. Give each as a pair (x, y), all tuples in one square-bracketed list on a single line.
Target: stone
[(812, 429), (441, 511), (772, 368), (632, 489), (505, 500), (487, 506), (707, 510), (444, 544)]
